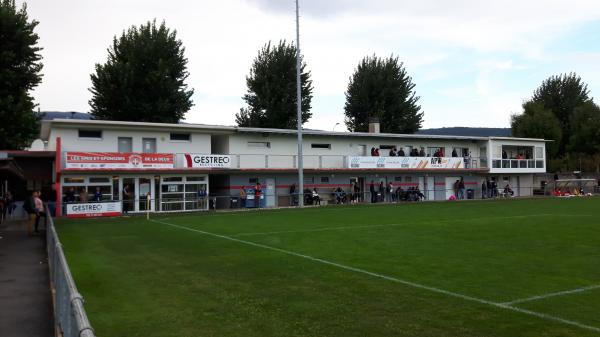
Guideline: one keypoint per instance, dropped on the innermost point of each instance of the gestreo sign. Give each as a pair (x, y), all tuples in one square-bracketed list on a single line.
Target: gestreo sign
[(193, 160), (93, 209)]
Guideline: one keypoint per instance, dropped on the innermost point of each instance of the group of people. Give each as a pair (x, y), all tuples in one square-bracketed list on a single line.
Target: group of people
[(489, 189), (84, 196), (7, 206), (383, 193)]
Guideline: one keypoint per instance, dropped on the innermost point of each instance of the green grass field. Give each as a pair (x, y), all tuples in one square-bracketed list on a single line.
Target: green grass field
[(488, 268)]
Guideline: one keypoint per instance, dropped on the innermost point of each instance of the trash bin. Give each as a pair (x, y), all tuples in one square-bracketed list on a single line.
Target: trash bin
[(234, 202), (470, 193)]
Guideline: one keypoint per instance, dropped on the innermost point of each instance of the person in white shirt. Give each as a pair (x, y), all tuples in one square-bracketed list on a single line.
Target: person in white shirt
[(315, 197)]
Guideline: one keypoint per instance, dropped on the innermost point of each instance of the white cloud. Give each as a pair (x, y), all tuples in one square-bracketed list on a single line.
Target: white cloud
[(475, 42)]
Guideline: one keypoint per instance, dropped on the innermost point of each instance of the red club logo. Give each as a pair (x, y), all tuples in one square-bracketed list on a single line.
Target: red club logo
[(135, 160)]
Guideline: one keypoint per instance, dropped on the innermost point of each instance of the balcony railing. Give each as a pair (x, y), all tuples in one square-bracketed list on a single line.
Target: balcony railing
[(518, 163), (161, 161)]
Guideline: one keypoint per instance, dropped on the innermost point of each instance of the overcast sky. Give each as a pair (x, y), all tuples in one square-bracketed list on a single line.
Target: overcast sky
[(473, 62)]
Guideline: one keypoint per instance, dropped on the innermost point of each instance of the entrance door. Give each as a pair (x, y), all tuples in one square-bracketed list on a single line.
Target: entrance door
[(135, 192), (270, 193), (430, 188)]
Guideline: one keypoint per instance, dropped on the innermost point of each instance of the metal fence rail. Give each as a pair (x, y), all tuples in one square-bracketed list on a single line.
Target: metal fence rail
[(69, 315)]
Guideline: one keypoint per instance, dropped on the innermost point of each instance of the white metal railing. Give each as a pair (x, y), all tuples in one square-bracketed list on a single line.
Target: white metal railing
[(70, 317), (290, 161), (517, 163)]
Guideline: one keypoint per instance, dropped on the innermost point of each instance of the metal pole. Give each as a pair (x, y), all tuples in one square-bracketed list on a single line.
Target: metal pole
[(299, 112)]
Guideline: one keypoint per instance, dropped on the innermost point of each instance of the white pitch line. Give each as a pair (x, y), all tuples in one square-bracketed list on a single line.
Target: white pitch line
[(559, 293), (390, 278)]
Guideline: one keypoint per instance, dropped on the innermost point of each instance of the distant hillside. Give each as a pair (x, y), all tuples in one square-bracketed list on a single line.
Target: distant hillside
[(466, 131), (49, 115)]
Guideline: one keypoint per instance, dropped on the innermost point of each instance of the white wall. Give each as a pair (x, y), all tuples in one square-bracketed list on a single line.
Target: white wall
[(200, 143)]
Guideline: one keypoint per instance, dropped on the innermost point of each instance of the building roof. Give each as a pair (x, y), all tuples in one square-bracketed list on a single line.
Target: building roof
[(225, 129)]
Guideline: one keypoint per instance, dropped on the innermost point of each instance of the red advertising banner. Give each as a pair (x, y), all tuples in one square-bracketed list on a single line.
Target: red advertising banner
[(115, 160)]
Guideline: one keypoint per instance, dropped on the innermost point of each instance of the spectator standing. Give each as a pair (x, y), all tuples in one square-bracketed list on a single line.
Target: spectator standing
[(455, 188), (243, 196), (422, 152), (39, 210), (126, 198), (461, 188), (381, 191), (376, 152), (390, 192), (393, 152), (372, 190), (454, 154), (401, 152), (83, 195), (97, 195), (484, 189), (293, 200), (373, 152), (258, 194), (357, 196)]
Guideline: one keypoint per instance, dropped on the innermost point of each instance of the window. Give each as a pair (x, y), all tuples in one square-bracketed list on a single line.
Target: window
[(99, 180), (539, 152), (324, 179), (184, 137), (320, 146), (90, 134), (253, 181), (149, 145), (387, 147), (73, 180), (259, 144), (171, 179), (408, 179), (397, 178), (125, 145)]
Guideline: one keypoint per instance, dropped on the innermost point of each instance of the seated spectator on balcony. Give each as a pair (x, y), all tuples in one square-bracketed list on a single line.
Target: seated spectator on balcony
[(393, 152), (414, 152), (519, 156), (377, 152), (437, 153), (315, 197), (422, 152), (454, 154), (372, 151), (467, 159), (401, 152), (504, 155)]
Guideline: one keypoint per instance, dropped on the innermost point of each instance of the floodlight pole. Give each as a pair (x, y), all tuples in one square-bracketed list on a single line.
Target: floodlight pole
[(299, 112)]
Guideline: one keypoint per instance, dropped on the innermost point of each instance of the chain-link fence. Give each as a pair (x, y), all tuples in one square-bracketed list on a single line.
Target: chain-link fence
[(69, 315)]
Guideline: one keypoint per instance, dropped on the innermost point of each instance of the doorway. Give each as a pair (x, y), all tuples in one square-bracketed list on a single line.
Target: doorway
[(136, 193)]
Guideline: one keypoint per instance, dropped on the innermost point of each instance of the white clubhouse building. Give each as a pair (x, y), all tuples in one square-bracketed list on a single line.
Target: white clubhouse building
[(172, 163)]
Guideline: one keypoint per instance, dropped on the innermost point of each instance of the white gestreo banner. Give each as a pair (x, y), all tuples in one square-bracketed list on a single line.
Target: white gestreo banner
[(93, 209), (195, 160), (417, 163)]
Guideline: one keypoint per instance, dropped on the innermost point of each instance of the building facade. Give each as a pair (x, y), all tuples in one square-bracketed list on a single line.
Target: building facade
[(187, 167)]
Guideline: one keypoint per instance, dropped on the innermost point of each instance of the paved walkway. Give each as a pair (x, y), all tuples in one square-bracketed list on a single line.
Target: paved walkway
[(25, 299)]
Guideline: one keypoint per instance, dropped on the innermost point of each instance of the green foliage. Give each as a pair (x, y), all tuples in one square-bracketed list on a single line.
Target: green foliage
[(143, 78), (561, 110), (271, 97), (381, 88), (585, 129), (20, 69), (538, 122)]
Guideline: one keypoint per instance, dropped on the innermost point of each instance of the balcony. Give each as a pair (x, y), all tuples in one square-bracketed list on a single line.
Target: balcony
[(100, 161)]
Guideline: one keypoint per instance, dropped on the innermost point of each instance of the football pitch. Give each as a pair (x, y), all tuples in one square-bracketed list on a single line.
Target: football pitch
[(509, 268)]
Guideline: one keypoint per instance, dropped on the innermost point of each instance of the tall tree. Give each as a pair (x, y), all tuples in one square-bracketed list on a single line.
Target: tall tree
[(143, 78), (382, 88), (585, 129), (538, 122), (20, 67), (271, 97)]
